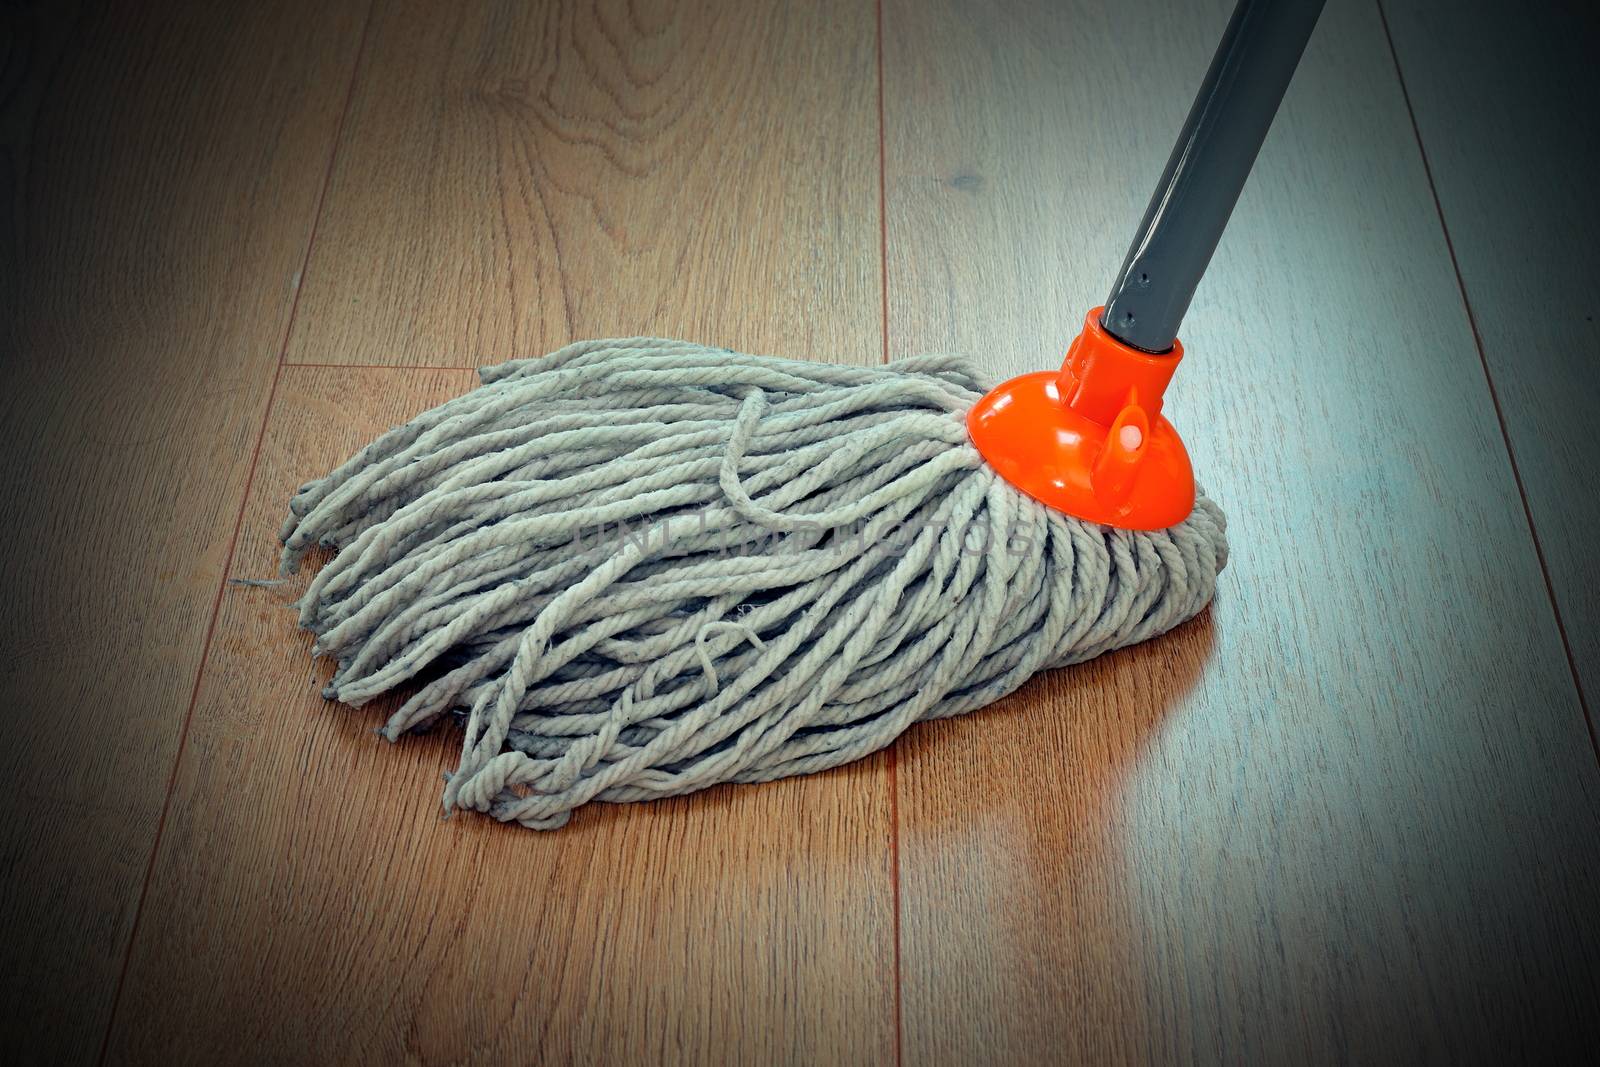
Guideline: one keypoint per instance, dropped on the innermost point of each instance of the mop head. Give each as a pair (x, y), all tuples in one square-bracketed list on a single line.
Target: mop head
[(637, 568)]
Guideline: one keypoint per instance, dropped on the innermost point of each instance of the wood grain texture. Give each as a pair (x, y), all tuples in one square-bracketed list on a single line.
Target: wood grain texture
[(160, 166), (516, 176), (570, 169), (1352, 813), (1506, 107), (311, 906)]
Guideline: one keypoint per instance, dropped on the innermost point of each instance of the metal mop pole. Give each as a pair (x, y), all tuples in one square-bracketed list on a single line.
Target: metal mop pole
[(1207, 169)]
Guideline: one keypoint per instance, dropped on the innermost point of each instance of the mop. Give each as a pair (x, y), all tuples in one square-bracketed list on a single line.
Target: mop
[(636, 568)]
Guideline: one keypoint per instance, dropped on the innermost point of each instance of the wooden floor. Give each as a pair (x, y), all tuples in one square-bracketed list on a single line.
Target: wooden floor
[(1350, 813)]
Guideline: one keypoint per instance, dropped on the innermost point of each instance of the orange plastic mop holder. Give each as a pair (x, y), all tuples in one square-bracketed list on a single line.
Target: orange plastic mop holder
[(1089, 440)]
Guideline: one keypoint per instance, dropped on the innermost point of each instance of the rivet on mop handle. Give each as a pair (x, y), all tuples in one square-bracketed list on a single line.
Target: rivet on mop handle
[(1089, 440)]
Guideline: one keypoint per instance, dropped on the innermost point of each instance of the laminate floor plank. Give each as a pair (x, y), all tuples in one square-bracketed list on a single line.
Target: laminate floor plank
[(160, 166), (1350, 813), (517, 176), (1506, 109)]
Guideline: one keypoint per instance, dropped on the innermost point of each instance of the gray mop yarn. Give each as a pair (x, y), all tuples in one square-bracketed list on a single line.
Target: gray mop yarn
[(636, 568)]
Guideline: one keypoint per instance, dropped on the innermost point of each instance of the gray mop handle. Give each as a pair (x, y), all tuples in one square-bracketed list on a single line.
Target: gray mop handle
[(1207, 169)]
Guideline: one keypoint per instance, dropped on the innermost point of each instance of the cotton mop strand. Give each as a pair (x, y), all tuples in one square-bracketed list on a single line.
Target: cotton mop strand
[(636, 568)]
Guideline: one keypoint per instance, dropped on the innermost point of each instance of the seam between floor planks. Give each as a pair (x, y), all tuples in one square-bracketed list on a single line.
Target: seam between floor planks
[(1494, 393), (188, 718), (893, 755), (371, 366), (233, 544)]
